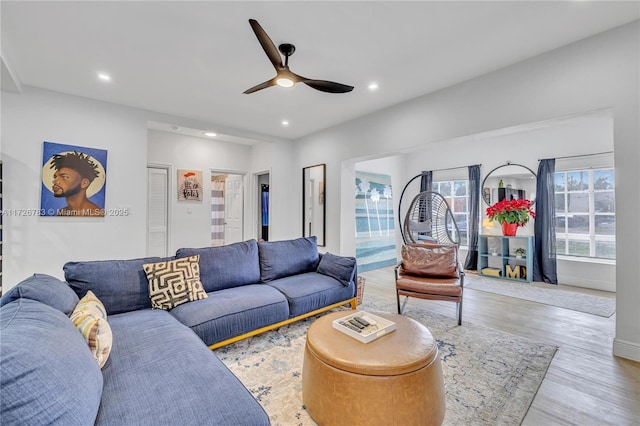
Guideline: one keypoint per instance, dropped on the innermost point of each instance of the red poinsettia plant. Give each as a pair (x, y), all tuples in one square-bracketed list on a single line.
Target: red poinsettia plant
[(511, 211)]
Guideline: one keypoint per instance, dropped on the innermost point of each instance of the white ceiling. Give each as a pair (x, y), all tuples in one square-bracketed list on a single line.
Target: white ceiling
[(194, 59)]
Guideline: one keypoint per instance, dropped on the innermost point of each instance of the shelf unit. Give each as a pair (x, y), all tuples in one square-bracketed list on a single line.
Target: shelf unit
[(497, 258)]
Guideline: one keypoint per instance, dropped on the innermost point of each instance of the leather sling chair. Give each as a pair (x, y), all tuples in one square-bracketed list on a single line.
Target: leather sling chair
[(430, 271)]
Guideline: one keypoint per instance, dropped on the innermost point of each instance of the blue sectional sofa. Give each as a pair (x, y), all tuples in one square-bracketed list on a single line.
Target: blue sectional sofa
[(160, 369)]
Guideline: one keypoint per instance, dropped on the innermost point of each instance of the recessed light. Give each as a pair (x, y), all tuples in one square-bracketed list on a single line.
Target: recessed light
[(373, 86), (210, 134), (285, 123), (104, 77)]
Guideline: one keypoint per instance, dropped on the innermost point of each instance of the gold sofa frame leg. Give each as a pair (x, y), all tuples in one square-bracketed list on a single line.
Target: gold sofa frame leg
[(353, 302)]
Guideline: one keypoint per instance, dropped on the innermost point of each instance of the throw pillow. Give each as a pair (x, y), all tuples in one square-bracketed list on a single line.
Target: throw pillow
[(90, 318), (339, 267), (174, 282), (430, 260)]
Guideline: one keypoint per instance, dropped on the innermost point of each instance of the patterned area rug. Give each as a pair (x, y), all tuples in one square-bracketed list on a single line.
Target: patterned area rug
[(549, 296), (491, 377)]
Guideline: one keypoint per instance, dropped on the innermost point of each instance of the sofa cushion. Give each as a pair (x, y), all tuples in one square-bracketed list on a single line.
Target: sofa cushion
[(226, 266), (120, 284), (161, 373), (311, 291), (47, 373), (45, 289), (174, 282), (290, 257), (90, 318), (342, 268), (233, 311)]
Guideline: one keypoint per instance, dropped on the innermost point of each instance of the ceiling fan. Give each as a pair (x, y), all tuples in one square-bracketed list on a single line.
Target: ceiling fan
[(284, 77)]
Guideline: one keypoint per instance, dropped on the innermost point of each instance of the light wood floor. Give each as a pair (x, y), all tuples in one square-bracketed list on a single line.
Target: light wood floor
[(585, 384)]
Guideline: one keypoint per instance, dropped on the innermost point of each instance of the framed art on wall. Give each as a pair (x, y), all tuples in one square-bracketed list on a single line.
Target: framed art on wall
[(74, 181), (189, 185)]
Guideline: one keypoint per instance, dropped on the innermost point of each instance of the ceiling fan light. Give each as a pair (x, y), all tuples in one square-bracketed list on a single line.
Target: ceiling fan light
[(284, 82)]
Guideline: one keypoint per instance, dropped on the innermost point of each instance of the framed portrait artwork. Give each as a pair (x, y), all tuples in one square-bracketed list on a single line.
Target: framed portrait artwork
[(74, 180), (189, 185)]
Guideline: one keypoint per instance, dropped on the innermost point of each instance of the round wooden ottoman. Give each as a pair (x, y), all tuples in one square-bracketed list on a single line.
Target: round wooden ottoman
[(394, 380)]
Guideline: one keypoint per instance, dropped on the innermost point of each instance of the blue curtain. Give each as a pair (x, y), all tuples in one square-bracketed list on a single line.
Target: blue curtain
[(426, 181), (544, 261), (426, 184), (471, 261)]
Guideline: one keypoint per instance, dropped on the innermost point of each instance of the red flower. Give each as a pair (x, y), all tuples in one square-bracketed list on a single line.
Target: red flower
[(511, 211)]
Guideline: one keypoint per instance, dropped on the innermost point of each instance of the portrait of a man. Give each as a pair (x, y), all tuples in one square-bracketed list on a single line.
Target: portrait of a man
[(73, 181)]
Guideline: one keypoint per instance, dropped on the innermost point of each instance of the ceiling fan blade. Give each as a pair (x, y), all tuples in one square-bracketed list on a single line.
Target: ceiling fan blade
[(261, 86), (269, 48), (327, 86)]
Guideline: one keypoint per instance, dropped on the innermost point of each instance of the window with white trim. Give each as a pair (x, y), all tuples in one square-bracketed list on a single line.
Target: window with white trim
[(585, 213), (456, 193)]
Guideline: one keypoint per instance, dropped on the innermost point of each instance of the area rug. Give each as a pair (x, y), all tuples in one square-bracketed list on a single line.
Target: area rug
[(491, 377), (586, 303)]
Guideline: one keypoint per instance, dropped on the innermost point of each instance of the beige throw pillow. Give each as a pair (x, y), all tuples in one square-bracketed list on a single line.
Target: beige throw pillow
[(174, 282), (90, 318)]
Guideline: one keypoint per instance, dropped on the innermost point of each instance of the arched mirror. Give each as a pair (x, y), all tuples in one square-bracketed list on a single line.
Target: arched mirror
[(313, 202), (510, 181)]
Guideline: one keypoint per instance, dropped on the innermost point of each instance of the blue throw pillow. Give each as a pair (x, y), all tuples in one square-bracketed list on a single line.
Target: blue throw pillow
[(45, 289), (280, 259), (341, 268)]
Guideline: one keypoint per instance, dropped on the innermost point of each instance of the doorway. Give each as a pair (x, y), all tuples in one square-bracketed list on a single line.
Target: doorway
[(158, 211), (227, 208), (262, 184)]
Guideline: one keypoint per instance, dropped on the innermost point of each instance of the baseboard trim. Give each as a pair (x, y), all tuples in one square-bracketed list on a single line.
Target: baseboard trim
[(626, 349)]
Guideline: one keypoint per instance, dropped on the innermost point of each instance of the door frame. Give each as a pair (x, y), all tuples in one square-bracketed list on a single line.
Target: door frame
[(256, 203), (246, 201)]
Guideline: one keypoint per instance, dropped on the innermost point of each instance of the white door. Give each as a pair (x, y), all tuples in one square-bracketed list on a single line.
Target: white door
[(233, 209), (157, 211)]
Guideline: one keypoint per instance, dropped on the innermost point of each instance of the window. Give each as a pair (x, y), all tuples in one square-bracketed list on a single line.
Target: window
[(585, 213), (456, 193)]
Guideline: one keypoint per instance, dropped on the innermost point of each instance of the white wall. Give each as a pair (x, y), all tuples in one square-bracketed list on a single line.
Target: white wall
[(190, 220), (592, 74), (43, 244)]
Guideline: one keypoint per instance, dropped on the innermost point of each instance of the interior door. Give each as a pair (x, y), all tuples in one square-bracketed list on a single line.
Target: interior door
[(233, 208), (157, 211)]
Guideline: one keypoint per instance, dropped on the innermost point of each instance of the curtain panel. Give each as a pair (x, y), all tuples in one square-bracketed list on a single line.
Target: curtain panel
[(217, 213), (471, 261), (544, 261)]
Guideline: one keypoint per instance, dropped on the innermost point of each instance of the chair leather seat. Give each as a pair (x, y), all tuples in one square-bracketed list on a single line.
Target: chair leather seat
[(425, 285)]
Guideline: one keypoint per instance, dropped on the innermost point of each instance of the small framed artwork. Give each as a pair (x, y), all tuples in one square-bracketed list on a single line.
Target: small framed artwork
[(189, 185), (74, 180)]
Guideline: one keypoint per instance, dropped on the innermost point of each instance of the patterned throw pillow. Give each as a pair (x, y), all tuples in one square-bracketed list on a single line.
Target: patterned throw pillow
[(90, 318), (174, 282)]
